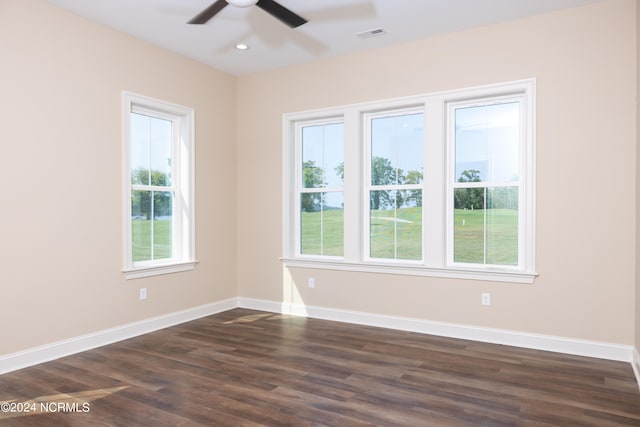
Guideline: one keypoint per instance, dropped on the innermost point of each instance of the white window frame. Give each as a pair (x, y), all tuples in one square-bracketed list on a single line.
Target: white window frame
[(183, 178), (300, 186), (437, 209), (368, 187), (525, 196)]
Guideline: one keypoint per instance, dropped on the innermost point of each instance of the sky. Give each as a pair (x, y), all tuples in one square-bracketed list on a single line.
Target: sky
[(484, 140), (400, 139), (487, 139), (397, 138), (150, 143)]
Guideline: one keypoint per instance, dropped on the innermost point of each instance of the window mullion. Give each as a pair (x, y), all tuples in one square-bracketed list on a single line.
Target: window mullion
[(484, 219), (152, 226), (153, 187), (353, 183), (434, 206)]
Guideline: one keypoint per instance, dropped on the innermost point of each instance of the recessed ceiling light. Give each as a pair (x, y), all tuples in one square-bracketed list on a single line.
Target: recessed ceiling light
[(242, 46)]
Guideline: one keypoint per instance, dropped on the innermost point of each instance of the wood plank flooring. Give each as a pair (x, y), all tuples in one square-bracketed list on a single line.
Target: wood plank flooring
[(249, 368)]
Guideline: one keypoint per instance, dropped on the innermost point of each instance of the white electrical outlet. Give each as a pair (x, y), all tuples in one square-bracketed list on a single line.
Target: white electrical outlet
[(486, 299), (312, 282), (143, 293)]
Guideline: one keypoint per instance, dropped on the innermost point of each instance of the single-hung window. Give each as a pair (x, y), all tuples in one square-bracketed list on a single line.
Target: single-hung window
[(158, 187), (320, 188), (395, 142), (487, 142)]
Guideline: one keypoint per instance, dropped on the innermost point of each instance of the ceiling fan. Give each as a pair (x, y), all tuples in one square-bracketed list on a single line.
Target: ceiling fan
[(270, 6)]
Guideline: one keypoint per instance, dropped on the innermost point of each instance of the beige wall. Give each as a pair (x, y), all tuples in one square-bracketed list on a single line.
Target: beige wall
[(637, 300), (61, 79), (60, 219), (584, 62)]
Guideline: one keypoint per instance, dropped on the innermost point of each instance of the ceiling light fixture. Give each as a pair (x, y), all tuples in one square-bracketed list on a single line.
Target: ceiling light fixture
[(242, 46), (242, 3)]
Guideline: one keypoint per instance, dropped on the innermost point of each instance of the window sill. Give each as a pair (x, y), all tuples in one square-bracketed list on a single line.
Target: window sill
[(157, 270), (410, 270)]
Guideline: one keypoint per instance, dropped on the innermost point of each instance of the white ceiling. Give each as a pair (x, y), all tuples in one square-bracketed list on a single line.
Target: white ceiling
[(331, 30)]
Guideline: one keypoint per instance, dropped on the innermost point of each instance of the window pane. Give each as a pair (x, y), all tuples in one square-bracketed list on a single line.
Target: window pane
[(151, 225), (310, 224), (502, 226), (141, 225), (322, 226), (150, 150), (381, 220), (486, 225), (469, 225), (409, 225), (140, 161), (396, 224), (162, 224), (487, 143), (333, 224), (322, 156), (160, 138), (397, 149)]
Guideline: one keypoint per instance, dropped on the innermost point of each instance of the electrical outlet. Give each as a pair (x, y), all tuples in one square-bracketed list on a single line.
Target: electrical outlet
[(312, 282), (486, 299), (143, 293)]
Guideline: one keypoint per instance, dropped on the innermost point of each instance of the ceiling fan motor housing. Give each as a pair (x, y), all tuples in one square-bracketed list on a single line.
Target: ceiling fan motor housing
[(242, 3), (270, 6)]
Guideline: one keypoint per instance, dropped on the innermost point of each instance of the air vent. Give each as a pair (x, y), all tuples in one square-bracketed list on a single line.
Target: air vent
[(371, 33)]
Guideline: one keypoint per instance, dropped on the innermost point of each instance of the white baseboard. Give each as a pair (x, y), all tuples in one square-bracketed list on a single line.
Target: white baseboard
[(45, 353), (635, 364), (573, 346)]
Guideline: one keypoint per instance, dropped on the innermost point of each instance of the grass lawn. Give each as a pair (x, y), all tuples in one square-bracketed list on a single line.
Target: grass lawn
[(501, 236), (396, 238), (401, 237), (323, 232), (141, 242)]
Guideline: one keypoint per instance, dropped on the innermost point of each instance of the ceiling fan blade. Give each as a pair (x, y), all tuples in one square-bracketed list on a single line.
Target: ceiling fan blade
[(281, 12), (208, 13)]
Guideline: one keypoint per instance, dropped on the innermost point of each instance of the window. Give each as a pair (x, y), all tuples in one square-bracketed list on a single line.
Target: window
[(321, 173), (158, 187), (434, 185), (485, 139), (395, 143)]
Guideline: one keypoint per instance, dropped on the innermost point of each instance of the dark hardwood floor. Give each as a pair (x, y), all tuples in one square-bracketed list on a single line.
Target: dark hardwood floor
[(245, 367)]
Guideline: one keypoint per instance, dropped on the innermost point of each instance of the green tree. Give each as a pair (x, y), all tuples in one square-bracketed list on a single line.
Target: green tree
[(470, 175), (144, 176), (383, 173), (415, 196), (141, 199), (313, 177), (469, 198), (340, 171)]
